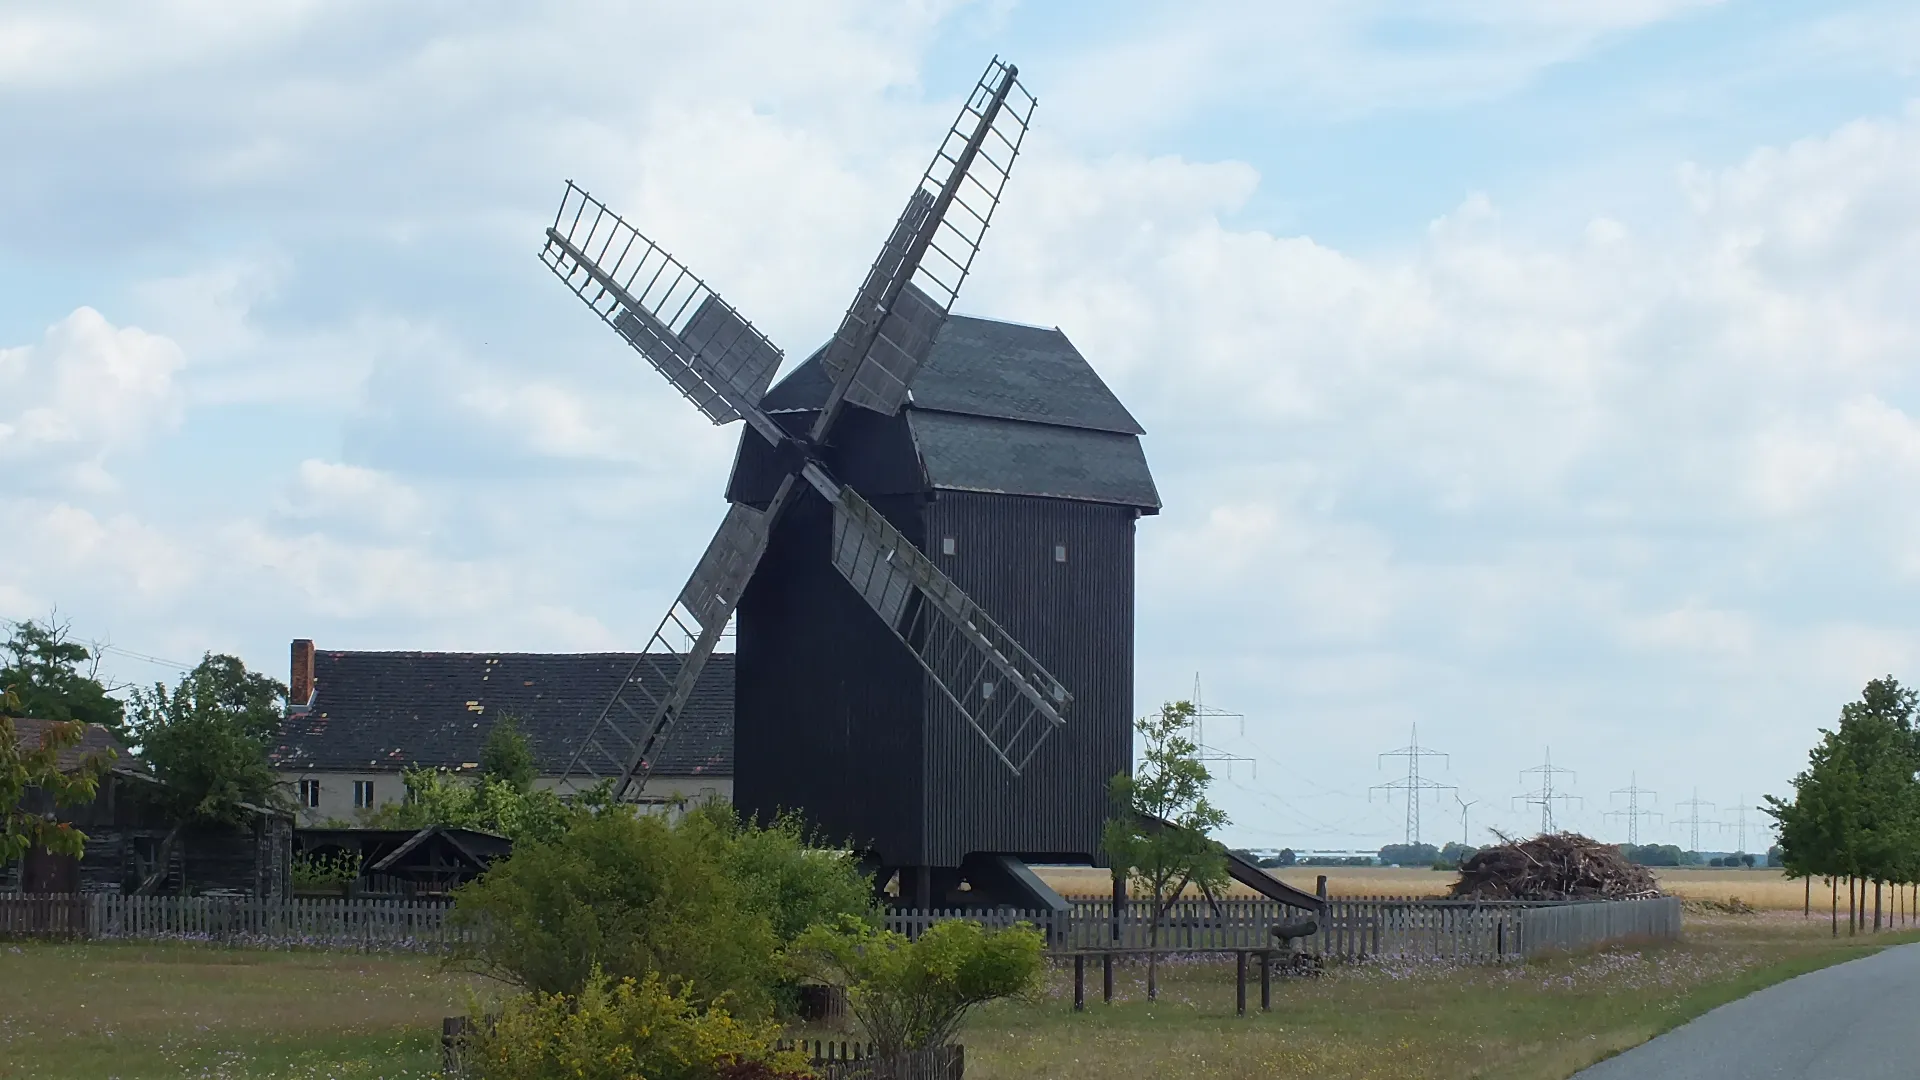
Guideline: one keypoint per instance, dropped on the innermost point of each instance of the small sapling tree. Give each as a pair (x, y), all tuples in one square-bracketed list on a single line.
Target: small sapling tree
[(1168, 787)]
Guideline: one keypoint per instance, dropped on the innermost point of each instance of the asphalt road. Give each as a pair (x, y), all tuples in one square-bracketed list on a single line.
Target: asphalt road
[(1853, 1021)]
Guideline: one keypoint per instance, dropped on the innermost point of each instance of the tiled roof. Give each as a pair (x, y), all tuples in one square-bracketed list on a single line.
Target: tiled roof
[(95, 740), (984, 367), (377, 711)]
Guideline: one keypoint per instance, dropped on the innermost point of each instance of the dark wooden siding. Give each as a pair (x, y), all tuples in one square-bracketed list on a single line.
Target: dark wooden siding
[(1076, 618), (126, 828), (828, 703)]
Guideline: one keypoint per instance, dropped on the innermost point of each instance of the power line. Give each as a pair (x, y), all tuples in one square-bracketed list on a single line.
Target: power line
[(1204, 752), (1693, 819), (1633, 813), (1544, 797), (1414, 783), (1740, 824)]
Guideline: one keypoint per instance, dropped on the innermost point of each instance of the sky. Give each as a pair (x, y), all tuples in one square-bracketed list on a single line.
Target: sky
[(1538, 374)]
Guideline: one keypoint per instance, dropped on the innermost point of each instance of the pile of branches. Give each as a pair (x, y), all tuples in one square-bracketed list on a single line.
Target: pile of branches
[(1553, 866)]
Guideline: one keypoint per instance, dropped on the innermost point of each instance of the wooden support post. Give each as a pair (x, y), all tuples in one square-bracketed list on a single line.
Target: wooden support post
[(1106, 976), (1240, 982), (1079, 982), (1266, 982)]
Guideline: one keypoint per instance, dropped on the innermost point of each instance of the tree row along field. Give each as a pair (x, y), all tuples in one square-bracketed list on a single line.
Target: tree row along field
[(1761, 888)]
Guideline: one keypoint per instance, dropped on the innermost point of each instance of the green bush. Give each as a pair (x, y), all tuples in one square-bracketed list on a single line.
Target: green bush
[(485, 803), (910, 994), (706, 902), (319, 871), (625, 1030)]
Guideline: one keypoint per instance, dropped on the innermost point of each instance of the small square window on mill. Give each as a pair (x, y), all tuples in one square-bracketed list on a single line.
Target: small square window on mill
[(946, 545), (1059, 553)]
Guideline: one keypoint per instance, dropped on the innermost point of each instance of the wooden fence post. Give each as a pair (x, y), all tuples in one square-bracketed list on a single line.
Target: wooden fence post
[(1106, 975), (1240, 982), (1079, 982), (1266, 982)]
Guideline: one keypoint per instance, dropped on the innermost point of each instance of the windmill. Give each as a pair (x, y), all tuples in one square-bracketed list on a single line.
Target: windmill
[(873, 691)]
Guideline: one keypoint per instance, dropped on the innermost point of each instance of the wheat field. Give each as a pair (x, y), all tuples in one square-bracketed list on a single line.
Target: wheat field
[(1761, 888)]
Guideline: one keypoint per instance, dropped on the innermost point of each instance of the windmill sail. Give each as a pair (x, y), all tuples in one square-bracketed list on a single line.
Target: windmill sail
[(888, 331), (700, 343), (1004, 693)]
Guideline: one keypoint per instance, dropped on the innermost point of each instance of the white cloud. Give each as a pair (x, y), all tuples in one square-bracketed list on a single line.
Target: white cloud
[(86, 389), (1519, 485)]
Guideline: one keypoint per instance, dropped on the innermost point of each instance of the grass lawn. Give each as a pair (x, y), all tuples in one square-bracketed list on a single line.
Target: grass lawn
[(1545, 1019), (150, 1010), (153, 1010)]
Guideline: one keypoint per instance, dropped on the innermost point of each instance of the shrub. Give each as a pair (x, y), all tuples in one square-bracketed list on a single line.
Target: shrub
[(625, 1030), (707, 902), (319, 871), (785, 872), (910, 994), (632, 895)]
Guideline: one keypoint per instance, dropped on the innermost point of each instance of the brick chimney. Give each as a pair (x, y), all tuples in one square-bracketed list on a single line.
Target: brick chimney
[(300, 681)]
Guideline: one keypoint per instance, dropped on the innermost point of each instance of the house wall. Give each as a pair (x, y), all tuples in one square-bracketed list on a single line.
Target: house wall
[(336, 791)]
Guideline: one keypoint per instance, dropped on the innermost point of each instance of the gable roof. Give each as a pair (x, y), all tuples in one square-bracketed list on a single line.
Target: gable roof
[(998, 407), (379, 711), (94, 740), (984, 367)]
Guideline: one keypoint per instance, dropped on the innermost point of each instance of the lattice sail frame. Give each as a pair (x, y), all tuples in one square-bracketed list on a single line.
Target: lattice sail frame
[(961, 187), (720, 363), (944, 629), (704, 347)]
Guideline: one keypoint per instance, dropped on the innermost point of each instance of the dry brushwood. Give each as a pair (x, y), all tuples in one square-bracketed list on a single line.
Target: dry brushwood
[(1553, 866)]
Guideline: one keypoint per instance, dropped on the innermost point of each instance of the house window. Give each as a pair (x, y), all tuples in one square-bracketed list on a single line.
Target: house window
[(946, 545), (310, 793), (362, 794), (1059, 553)]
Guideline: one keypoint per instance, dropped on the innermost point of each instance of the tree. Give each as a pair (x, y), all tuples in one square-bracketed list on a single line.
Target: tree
[(1855, 811), (207, 741), (506, 756), (1409, 855), (27, 823), (483, 803), (57, 678), (1455, 853), (913, 994), (1169, 788), (1285, 858)]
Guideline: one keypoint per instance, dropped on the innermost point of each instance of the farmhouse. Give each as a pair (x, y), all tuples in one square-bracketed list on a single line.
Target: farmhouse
[(356, 719), (135, 846)]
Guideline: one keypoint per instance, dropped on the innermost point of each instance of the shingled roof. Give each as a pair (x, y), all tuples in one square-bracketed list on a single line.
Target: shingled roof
[(1007, 408), (95, 739), (376, 711), (986, 367)]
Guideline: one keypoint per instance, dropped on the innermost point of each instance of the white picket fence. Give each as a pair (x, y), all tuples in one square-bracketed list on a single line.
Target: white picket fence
[(326, 923)]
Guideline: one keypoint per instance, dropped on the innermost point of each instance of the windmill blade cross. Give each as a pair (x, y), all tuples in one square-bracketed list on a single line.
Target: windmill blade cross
[(889, 329), (723, 365)]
